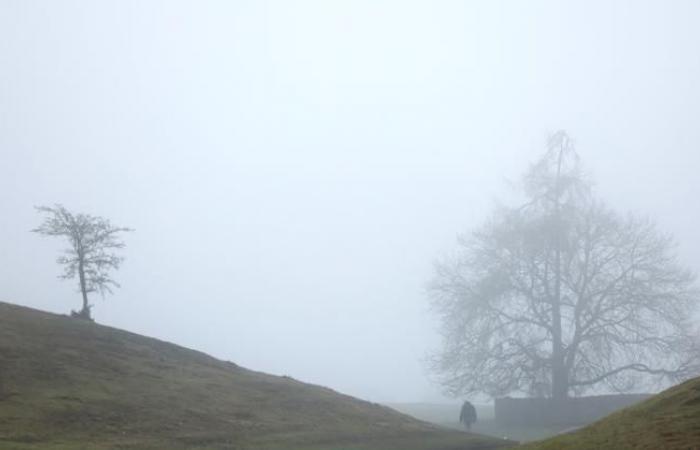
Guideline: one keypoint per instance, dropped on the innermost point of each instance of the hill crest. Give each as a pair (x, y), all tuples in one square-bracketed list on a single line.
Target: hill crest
[(68, 383)]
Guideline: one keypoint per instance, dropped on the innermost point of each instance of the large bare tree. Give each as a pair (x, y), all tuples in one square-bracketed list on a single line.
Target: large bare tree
[(563, 294), (91, 254)]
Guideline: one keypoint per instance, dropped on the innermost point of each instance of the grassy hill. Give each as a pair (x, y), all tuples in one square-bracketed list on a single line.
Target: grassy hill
[(70, 384), (669, 420)]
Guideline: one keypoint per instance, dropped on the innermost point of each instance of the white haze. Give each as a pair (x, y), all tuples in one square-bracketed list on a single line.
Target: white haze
[(293, 168)]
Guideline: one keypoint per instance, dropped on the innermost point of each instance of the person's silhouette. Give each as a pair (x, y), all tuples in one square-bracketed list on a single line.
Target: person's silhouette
[(467, 415)]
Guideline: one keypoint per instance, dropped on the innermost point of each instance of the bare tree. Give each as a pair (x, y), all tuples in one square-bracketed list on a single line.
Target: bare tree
[(91, 252), (563, 294)]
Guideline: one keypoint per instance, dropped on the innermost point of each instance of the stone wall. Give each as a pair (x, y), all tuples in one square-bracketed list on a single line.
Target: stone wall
[(573, 411)]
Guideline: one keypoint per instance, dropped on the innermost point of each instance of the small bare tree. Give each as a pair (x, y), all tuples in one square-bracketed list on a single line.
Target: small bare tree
[(562, 294), (91, 252)]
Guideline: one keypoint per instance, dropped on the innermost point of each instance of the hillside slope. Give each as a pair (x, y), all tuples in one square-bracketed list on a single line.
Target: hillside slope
[(69, 384), (669, 420)]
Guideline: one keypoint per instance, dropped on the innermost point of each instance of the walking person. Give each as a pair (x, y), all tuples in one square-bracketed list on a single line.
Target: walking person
[(467, 415)]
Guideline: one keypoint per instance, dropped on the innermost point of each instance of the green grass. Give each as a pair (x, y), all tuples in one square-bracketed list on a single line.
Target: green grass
[(69, 384), (669, 420)]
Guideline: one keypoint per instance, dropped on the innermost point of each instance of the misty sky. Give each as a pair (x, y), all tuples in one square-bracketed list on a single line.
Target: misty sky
[(293, 168)]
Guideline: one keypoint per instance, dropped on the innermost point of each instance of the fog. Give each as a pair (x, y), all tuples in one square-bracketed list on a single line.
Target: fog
[(293, 169)]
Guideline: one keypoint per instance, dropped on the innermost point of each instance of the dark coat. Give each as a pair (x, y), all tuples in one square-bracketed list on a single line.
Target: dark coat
[(468, 414)]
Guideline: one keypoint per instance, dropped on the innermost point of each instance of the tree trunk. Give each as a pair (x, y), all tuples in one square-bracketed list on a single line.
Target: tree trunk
[(85, 312), (560, 383)]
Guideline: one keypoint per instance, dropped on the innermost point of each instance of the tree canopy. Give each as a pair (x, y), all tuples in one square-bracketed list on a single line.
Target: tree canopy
[(562, 294)]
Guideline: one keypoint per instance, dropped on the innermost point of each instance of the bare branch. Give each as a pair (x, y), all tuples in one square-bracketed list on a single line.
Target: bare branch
[(623, 301)]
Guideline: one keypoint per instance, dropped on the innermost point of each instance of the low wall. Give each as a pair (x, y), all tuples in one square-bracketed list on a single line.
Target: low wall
[(572, 411)]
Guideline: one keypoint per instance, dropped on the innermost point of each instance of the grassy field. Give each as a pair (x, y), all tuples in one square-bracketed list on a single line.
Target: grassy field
[(69, 384), (669, 420)]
